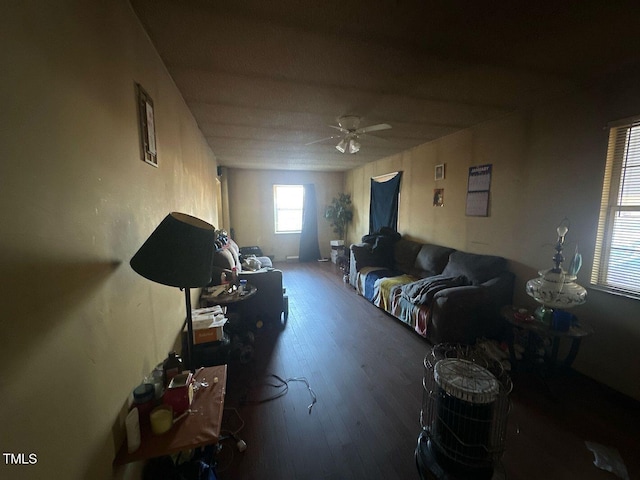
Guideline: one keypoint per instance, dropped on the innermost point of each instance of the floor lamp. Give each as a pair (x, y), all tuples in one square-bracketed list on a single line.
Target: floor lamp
[(178, 253)]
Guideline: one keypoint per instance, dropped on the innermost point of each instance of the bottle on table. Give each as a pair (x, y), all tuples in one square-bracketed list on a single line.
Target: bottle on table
[(171, 367), (234, 276)]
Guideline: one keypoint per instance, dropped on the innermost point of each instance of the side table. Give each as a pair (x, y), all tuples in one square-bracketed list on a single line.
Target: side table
[(196, 429), (238, 341), (575, 333), (218, 295)]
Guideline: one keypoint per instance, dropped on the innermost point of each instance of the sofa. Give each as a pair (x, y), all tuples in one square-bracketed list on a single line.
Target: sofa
[(268, 305), (445, 295)]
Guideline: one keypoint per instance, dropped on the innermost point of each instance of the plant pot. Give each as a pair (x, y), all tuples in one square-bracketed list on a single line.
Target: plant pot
[(337, 249)]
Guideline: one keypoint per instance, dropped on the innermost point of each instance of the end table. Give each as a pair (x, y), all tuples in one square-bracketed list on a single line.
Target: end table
[(199, 428), (576, 333)]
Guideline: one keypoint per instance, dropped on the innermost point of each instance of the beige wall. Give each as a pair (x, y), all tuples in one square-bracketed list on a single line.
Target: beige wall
[(547, 164), (79, 329), (252, 213)]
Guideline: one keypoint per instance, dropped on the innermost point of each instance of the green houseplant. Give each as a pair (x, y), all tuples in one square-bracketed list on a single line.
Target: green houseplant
[(339, 213)]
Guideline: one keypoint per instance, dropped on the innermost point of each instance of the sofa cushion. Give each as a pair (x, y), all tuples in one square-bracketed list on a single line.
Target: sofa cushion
[(477, 268), (431, 260), (404, 254)]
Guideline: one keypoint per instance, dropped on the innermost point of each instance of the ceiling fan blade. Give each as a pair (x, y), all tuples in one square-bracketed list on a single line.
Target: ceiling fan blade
[(374, 128), (323, 139), (373, 138), (342, 129)]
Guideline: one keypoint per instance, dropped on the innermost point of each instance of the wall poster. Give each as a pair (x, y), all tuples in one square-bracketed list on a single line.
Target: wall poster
[(478, 188)]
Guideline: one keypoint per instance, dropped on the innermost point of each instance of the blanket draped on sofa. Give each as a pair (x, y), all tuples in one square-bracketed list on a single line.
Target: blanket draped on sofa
[(421, 292), (383, 287)]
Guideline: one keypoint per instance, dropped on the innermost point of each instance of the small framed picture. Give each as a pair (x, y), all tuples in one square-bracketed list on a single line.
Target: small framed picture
[(438, 197), (439, 175), (147, 127)]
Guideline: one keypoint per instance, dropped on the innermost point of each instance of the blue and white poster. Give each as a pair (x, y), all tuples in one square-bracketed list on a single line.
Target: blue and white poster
[(478, 188)]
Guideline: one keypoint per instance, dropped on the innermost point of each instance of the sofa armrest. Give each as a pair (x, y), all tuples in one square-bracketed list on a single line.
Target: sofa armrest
[(462, 293), (464, 314), (268, 303), (362, 256), (500, 289)]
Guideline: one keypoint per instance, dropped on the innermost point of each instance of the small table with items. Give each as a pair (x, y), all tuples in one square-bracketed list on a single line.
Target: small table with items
[(226, 295), (524, 321), (200, 427), (238, 337)]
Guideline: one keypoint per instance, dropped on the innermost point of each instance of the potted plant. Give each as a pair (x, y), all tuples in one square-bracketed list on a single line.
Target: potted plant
[(339, 213)]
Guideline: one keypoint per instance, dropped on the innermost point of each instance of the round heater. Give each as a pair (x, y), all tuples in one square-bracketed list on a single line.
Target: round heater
[(464, 405)]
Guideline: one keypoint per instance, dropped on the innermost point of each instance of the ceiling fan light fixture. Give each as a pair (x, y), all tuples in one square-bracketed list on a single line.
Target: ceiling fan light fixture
[(348, 127), (349, 122)]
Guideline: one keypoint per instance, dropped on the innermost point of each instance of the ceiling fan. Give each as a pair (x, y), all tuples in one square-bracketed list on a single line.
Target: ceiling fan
[(349, 133)]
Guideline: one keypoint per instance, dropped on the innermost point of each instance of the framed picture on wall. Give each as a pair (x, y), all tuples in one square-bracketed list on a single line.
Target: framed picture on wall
[(147, 127), (439, 175), (438, 197)]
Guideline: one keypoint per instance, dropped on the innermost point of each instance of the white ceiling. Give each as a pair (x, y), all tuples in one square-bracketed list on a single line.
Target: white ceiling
[(264, 78)]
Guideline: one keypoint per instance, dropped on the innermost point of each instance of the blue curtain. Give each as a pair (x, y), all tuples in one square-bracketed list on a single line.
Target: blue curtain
[(383, 209), (309, 246)]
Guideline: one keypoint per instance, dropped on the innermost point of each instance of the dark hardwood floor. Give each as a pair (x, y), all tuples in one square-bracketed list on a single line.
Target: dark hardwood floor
[(366, 371)]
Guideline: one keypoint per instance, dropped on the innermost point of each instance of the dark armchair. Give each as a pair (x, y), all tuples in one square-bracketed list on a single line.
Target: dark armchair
[(268, 304)]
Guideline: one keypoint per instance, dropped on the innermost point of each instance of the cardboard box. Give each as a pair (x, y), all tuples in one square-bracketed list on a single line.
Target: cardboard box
[(208, 329), (216, 309)]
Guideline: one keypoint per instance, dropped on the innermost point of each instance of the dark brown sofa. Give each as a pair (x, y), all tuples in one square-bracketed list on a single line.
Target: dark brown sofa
[(446, 295)]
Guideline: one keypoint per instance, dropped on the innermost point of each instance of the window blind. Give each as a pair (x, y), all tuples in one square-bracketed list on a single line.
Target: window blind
[(617, 255)]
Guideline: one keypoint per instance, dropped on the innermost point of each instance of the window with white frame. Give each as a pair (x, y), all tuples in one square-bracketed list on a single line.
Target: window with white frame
[(288, 201), (616, 265)]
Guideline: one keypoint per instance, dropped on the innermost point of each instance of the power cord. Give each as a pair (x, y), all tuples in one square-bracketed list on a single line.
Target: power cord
[(224, 461), (241, 445), (225, 434), (284, 386)]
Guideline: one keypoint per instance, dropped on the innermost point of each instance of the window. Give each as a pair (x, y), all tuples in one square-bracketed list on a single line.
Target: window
[(288, 201), (616, 265)]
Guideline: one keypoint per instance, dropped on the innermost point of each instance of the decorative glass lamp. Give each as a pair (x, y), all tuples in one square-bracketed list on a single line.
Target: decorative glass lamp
[(556, 288)]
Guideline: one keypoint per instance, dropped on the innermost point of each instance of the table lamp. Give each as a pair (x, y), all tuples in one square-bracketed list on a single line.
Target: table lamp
[(556, 288), (178, 253)]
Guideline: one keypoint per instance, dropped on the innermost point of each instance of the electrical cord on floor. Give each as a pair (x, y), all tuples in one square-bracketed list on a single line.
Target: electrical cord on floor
[(227, 434), (235, 432), (284, 386), (225, 456)]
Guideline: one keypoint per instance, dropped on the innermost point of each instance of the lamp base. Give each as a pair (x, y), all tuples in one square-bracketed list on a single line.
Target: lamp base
[(544, 314)]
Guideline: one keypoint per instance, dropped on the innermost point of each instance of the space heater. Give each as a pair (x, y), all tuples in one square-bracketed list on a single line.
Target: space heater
[(464, 414)]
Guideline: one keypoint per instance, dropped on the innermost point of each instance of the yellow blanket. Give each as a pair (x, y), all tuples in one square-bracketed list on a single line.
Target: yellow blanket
[(382, 294)]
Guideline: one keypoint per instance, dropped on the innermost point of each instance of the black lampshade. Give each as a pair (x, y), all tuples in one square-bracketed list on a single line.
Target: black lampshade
[(178, 253)]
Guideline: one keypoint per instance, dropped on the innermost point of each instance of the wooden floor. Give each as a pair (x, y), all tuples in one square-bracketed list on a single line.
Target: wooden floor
[(366, 371)]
